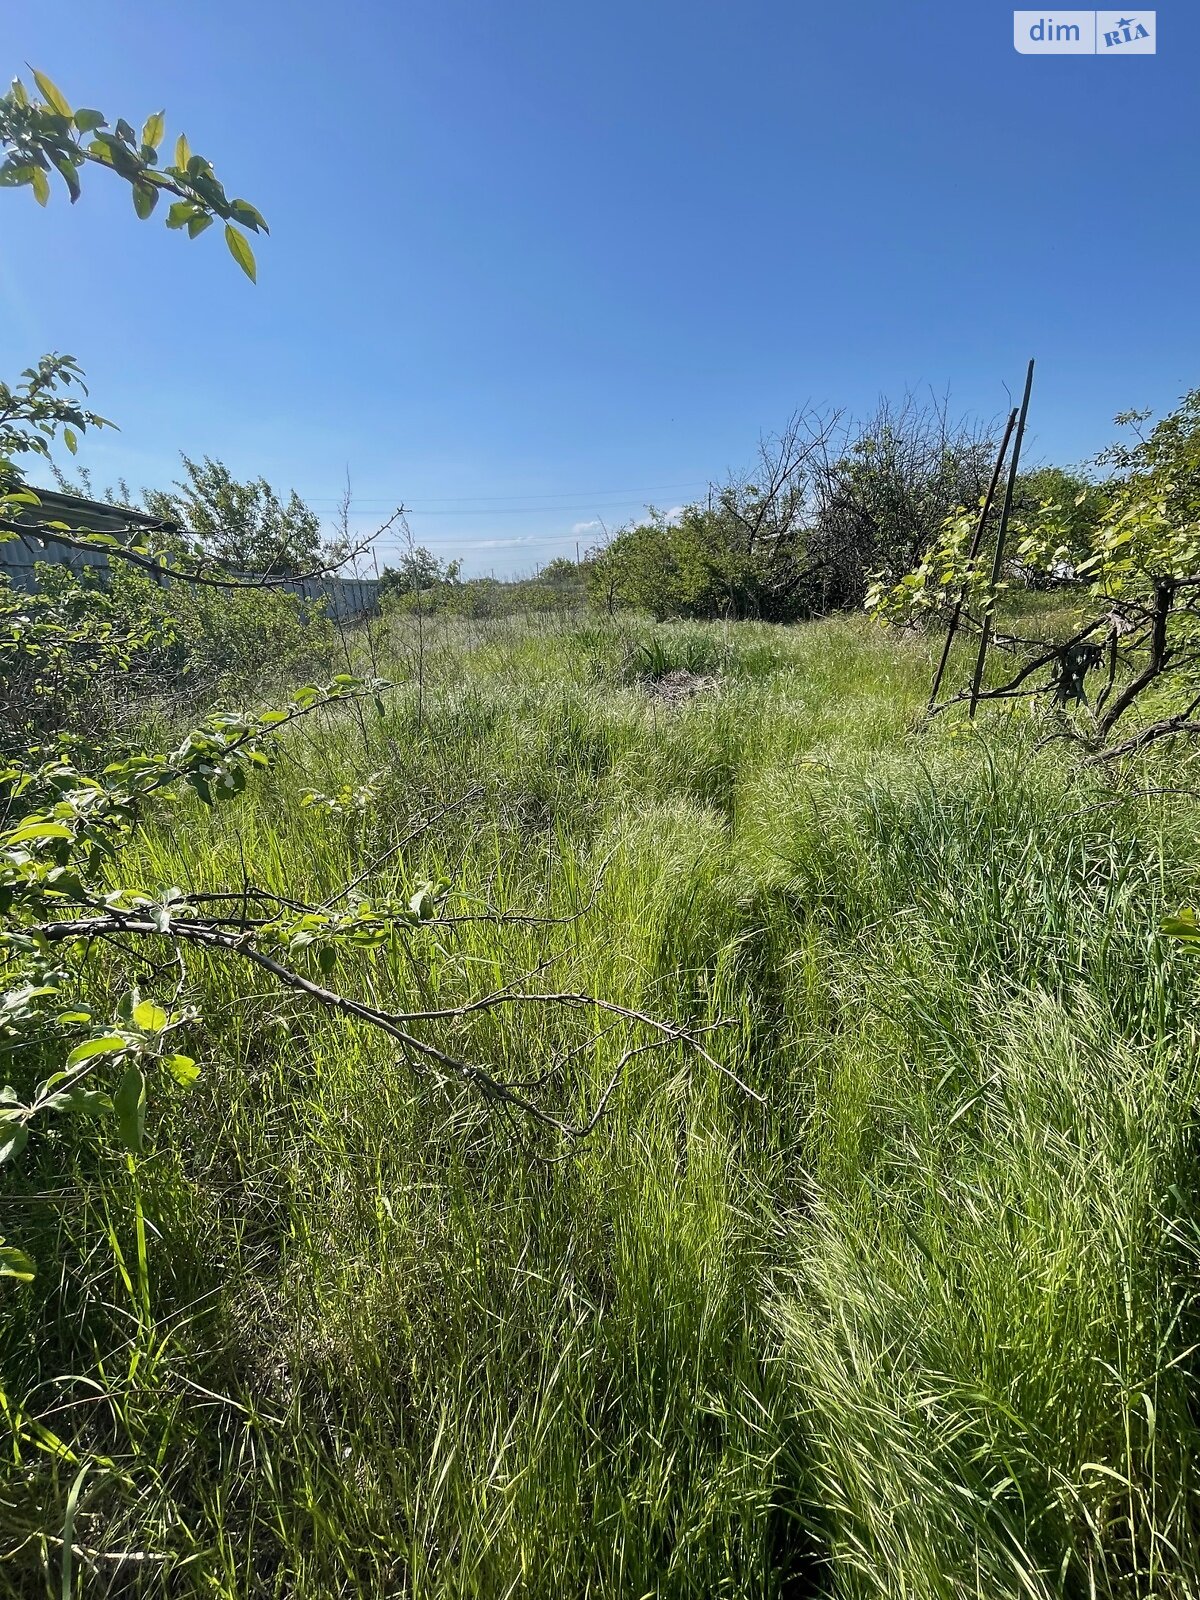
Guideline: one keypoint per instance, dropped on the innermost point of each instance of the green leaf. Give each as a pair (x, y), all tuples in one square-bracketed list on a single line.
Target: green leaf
[(154, 128), (88, 121), (197, 224), (149, 1017), (249, 216), (183, 1069), (16, 1264), (180, 214), (70, 439), (41, 185), (239, 249), (91, 1102), (38, 830), (129, 1103), (1183, 925), (15, 174), (69, 175), (145, 198), (108, 1046), (14, 1136), (183, 153), (51, 94)]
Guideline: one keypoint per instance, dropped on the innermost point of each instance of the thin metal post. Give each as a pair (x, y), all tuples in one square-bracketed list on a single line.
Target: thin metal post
[(998, 559), (976, 537)]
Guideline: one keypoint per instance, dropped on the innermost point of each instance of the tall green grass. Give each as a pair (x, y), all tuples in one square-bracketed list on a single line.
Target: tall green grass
[(921, 1325)]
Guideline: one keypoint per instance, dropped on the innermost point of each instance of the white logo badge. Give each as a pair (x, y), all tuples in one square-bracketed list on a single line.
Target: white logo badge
[(1084, 33)]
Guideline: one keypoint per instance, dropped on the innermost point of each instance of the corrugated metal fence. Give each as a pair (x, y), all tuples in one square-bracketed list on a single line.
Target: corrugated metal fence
[(344, 598)]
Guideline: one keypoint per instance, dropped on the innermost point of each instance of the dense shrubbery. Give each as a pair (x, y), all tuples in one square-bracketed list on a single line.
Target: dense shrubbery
[(1075, 502), (826, 504), (416, 572), (558, 590), (125, 642)]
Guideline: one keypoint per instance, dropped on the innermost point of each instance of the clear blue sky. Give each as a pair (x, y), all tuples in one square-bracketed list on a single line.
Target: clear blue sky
[(533, 265)]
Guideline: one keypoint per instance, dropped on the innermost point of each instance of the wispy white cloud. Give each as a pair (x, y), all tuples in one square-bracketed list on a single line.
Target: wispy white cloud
[(675, 513), (496, 544), (586, 527)]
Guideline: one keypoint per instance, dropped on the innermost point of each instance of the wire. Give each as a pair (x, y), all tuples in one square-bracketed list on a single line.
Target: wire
[(514, 511), (487, 544), (572, 498)]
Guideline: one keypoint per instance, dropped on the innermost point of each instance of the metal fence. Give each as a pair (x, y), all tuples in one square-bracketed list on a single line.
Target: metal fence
[(344, 598)]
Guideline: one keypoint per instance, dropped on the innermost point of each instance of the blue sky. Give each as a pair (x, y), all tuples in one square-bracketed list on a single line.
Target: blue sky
[(533, 266)]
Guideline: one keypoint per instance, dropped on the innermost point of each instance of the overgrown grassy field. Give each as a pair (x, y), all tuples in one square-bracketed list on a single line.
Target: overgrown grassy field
[(918, 1324)]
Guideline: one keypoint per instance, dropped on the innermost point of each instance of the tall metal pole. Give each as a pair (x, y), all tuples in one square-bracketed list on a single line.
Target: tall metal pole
[(998, 559), (976, 538)]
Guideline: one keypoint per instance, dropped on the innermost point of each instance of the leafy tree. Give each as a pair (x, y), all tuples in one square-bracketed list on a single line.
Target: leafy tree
[(243, 525), (417, 570), (560, 573), (881, 496), (1074, 502), (699, 564), (1137, 547), (824, 504), (742, 554)]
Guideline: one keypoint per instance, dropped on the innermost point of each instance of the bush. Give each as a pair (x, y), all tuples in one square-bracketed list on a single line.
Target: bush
[(181, 641)]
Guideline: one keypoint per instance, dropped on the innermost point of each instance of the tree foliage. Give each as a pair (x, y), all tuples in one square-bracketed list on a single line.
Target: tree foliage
[(43, 405), (243, 525), (884, 491), (416, 571), (741, 554), (826, 502), (43, 135), (1134, 542)]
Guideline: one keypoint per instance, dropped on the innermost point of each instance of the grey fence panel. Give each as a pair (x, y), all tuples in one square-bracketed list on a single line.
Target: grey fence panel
[(17, 561), (344, 598)]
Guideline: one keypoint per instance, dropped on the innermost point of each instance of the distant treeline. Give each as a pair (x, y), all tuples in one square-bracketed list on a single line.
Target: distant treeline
[(828, 506)]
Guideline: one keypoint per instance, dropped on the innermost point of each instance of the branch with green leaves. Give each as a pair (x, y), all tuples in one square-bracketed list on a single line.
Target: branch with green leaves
[(1134, 565), (43, 135), (46, 406), (161, 549), (60, 851)]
